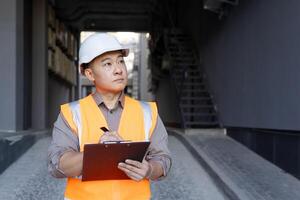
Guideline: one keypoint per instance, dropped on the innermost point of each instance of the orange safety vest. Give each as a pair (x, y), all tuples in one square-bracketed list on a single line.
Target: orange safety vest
[(137, 122)]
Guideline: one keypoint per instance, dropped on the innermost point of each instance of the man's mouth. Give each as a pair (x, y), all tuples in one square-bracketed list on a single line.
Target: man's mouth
[(119, 80)]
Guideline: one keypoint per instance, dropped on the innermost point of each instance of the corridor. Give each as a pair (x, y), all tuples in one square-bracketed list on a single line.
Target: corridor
[(28, 178), (207, 165)]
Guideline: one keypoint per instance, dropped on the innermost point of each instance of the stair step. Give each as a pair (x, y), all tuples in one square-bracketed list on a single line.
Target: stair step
[(201, 123), (185, 61), (179, 41), (189, 70), (193, 81), (182, 41), (204, 99), (188, 73), (195, 98), (177, 55), (196, 106), (207, 101), (185, 38), (182, 53), (191, 75), (193, 84), (190, 60), (180, 45), (199, 114), (183, 88), (193, 90), (190, 67), (176, 40), (179, 50), (207, 118), (179, 83), (176, 35), (183, 64), (185, 108), (189, 79)]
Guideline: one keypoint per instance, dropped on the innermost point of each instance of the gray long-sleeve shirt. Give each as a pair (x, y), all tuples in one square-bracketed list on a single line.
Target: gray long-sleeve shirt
[(63, 139)]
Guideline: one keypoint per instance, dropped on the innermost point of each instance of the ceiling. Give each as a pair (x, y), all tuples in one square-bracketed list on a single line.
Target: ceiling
[(106, 15)]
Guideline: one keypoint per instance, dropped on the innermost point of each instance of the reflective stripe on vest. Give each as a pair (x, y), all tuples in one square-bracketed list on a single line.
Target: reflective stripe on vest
[(75, 109), (147, 118)]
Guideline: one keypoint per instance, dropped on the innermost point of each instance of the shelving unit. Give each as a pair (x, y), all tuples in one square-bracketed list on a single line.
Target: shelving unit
[(62, 49)]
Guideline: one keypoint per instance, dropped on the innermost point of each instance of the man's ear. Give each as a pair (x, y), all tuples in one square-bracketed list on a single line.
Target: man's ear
[(89, 74)]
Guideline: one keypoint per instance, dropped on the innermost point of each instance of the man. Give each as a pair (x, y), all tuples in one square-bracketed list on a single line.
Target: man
[(101, 61)]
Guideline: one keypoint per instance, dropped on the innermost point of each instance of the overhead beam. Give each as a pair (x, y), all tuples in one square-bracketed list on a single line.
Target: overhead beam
[(138, 25), (105, 14), (101, 6)]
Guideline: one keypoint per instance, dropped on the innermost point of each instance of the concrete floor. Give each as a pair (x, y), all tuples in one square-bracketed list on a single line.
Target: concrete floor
[(28, 178)]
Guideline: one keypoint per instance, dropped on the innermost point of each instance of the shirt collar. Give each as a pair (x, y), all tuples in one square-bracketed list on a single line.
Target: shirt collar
[(99, 100)]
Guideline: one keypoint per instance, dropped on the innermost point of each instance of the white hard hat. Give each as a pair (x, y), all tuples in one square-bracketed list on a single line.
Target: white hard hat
[(97, 44)]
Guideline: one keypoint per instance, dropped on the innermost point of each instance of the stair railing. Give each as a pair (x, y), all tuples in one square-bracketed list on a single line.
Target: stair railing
[(179, 94), (181, 85)]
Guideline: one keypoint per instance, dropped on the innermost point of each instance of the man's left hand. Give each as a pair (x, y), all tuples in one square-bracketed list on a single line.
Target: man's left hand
[(136, 170)]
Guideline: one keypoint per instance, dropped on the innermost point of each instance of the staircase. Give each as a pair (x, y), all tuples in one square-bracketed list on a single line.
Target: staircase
[(195, 102)]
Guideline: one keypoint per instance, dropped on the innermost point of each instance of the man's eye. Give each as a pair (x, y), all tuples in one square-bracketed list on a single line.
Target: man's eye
[(121, 61), (107, 64)]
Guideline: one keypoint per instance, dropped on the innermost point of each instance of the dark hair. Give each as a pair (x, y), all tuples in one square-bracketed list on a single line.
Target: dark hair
[(83, 67)]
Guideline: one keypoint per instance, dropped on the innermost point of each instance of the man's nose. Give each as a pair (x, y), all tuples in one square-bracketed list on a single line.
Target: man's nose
[(118, 68)]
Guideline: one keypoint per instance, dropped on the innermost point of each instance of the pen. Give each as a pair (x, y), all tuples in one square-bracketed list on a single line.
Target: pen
[(116, 142), (104, 129)]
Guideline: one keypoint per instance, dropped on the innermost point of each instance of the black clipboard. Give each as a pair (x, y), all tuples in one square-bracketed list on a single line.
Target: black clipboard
[(100, 161)]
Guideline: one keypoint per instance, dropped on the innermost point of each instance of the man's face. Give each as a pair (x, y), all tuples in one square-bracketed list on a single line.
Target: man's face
[(108, 72)]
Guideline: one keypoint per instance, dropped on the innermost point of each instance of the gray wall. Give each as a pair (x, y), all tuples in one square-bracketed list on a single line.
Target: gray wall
[(166, 102), (11, 56), (27, 63), (39, 64), (58, 94), (253, 64), (144, 71)]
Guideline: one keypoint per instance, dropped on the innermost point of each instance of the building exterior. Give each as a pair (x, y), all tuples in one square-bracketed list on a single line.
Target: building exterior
[(213, 63)]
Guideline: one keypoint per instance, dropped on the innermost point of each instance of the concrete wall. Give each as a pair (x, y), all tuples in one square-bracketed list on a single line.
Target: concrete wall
[(39, 64), (144, 71), (252, 62), (58, 94), (166, 102), (11, 56), (27, 63)]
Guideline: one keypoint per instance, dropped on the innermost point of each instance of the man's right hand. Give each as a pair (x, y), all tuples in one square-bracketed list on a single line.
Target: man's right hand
[(110, 136)]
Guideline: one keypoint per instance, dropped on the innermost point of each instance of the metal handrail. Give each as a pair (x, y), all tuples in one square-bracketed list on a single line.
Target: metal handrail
[(179, 93)]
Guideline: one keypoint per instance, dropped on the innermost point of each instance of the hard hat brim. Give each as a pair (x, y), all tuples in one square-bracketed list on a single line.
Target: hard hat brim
[(92, 56), (88, 59)]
